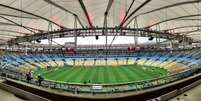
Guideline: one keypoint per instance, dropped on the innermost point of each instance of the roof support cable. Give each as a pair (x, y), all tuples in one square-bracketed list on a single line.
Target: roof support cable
[(16, 9), (105, 32), (128, 11), (86, 13), (21, 12), (166, 24), (172, 19), (64, 9), (133, 12), (135, 25), (17, 24), (165, 7), (128, 17), (121, 23), (105, 24), (75, 33), (198, 13), (157, 37), (110, 2), (181, 27), (50, 28)]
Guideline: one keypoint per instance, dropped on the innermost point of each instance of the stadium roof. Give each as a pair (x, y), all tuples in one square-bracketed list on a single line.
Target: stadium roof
[(25, 17)]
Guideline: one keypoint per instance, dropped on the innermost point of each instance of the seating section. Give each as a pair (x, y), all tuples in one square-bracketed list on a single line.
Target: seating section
[(180, 64), (174, 62)]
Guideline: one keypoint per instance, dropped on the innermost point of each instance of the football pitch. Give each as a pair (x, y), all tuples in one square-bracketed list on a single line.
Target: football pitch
[(101, 74)]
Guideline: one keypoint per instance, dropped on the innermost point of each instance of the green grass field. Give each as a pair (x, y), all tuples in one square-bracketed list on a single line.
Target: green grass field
[(101, 74)]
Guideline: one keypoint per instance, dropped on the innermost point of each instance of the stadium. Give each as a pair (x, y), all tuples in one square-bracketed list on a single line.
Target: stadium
[(100, 50)]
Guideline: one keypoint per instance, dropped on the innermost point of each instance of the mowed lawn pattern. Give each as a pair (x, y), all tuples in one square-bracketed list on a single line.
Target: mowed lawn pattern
[(102, 74)]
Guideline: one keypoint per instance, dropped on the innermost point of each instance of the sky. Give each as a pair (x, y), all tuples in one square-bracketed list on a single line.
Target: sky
[(101, 41)]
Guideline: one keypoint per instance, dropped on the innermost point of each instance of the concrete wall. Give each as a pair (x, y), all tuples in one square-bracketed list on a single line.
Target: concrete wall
[(21, 93), (177, 92)]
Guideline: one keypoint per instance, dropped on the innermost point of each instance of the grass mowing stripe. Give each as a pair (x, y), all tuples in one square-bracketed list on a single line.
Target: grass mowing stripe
[(63, 73), (85, 77), (95, 77), (91, 75), (112, 79), (154, 74), (76, 75), (120, 76), (127, 73), (144, 73), (101, 74), (105, 75), (53, 72), (79, 77), (130, 75), (137, 75), (71, 75), (116, 75), (124, 74), (98, 75)]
